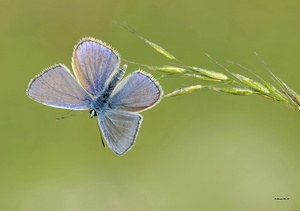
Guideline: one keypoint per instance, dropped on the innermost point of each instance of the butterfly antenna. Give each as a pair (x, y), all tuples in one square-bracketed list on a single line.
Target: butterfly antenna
[(101, 137), (65, 115), (102, 141)]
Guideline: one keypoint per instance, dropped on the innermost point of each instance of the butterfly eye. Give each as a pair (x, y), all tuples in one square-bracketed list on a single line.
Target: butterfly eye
[(93, 113)]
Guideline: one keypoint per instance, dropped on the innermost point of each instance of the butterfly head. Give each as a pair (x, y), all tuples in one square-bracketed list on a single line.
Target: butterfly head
[(93, 113)]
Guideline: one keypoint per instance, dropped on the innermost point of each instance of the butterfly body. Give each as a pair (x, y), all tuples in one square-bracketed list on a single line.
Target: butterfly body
[(98, 86), (101, 103)]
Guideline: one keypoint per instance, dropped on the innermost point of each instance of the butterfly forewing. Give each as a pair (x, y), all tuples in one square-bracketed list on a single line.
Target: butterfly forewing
[(119, 129), (137, 92), (57, 87), (94, 63)]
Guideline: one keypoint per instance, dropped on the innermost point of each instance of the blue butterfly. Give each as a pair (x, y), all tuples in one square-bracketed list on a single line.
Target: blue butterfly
[(97, 86)]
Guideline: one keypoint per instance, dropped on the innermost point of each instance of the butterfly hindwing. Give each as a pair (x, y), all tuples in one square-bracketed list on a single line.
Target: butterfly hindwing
[(119, 129), (137, 92)]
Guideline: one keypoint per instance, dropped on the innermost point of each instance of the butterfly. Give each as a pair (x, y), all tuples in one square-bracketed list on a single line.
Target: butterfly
[(98, 87)]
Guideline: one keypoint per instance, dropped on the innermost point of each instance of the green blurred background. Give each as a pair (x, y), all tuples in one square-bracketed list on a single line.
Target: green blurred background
[(203, 151)]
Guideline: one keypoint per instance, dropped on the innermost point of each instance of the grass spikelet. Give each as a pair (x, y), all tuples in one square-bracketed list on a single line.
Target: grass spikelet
[(155, 46), (185, 90), (159, 49), (168, 69), (276, 94), (234, 90), (202, 77), (252, 84), (210, 73), (295, 97)]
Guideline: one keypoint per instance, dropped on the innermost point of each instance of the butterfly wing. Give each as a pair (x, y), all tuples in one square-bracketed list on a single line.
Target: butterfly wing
[(120, 124), (94, 64), (57, 87), (119, 129), (137, 92)]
